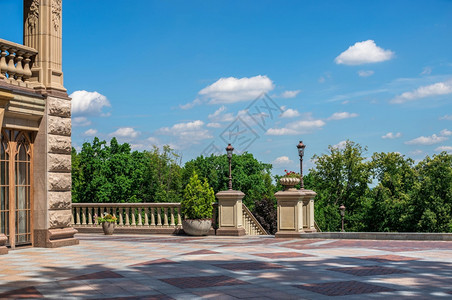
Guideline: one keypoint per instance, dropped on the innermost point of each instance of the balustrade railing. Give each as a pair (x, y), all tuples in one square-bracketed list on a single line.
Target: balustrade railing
[(251, 224), (16, 62)]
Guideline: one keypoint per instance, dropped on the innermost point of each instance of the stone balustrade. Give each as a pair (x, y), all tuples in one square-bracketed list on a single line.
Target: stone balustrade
[(250, 223), (16, 62)]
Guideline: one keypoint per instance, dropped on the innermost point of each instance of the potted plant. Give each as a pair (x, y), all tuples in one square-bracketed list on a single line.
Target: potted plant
[(290, 180), (108, 222), (196, 206)]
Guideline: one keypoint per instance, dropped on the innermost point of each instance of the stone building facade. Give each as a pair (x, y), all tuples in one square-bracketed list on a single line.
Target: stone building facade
[(35, 154)]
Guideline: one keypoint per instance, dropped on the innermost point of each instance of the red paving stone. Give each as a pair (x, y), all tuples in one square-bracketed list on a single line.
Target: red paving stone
[(202, 282), (96, 275), (304, 244), (368, 270), (249, 266), (155, 262), (24, 293), (282, 255), (144, 297), (200, 252), (386, 258), (343, 288)]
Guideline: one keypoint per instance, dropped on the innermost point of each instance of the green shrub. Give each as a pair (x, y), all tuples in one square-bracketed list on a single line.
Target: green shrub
[(198, 199)]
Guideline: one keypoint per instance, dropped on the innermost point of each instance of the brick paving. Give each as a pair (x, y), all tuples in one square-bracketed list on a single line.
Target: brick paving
[(181, 267)]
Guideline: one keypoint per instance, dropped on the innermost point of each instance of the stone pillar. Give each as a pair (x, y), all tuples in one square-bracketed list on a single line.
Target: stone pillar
[(43, 32), (230, 213), (3, 240), (295, 212)]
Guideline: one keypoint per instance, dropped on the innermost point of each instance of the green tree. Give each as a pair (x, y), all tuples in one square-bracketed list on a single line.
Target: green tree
[(198, 199)]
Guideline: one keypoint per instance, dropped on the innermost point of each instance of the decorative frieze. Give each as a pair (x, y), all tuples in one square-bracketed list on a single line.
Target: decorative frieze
[(59, 181), (59, 126), (59, 144), (59, 107)]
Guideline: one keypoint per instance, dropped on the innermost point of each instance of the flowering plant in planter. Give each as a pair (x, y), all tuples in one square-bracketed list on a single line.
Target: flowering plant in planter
[(291, 174), (106, 218)]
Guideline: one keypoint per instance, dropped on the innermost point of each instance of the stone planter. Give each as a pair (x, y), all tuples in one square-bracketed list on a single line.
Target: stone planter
[(289, 183), (108, 228), (197, 227)]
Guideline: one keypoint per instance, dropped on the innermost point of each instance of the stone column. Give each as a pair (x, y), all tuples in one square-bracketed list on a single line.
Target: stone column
[(291, 219), (230, 213)]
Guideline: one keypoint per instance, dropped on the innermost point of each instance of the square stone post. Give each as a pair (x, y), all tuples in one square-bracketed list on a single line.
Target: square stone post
[(230, 213), (3, 240), (291, 219)]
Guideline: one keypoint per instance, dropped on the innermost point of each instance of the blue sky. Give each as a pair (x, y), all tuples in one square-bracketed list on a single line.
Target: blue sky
[(181, 72)]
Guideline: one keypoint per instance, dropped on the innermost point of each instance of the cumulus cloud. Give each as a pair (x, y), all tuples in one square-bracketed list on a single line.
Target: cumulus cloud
[(125, 132), (364, 53), (436, 89), (363, 73), (80, 121), (231, 89), (88, 103), (90, 132), (444, 148), (416, 152), (446, 117), (445, 132), (297, 127), (282, 161), (214, 125), (220, 116), (340, 145), (190, 104), (290, 113), (391, 135), (427, 140), (189, 132), (342, 115), (290, 94)]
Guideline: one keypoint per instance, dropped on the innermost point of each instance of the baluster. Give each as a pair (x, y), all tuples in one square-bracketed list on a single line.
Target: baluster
[(172, 216), (77, 215), (83, 215), (90, 216), (132, 210), (139, 217), (73, 208), (108, 210), (19, 68), (96, 210), (165, 216), (11, 69), (152, 216), (3, 65), (159, 217), (101, 211), (179, 219), (27, 69), (113, 211), (146, 220), (127, 217), (121, 221)]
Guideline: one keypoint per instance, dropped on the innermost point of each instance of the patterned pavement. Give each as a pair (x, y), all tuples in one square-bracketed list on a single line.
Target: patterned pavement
[(180, 267)]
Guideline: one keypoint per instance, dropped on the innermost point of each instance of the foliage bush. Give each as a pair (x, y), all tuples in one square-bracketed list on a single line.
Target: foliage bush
[(265, 213), (198, 199)]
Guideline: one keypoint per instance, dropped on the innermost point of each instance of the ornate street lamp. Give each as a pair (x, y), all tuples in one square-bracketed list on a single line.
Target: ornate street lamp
[(229, 150), (342, 209), (301, 147)]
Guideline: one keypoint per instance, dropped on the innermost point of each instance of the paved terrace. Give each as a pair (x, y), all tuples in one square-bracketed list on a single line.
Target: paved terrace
[(180, 267)]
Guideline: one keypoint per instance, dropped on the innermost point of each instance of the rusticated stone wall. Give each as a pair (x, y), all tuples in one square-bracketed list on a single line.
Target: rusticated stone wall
[(59, 162)]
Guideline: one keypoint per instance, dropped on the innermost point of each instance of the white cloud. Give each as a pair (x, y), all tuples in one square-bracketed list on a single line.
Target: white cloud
[(231, 89), (88, 103), (290, 94), (189, 132), (416, 152), (219, 116), (342, 115), (297, 127), (364, 53), (426, 71), (125, 132), (190, 104), (290, 113), (282, 161), (444, 148), (427, 140), (340, 145), (391, 135), (214, 125), (90, 132), (445, 132), (80, 121), (153, 140), (363, 73), (446, 117), (436, 89)]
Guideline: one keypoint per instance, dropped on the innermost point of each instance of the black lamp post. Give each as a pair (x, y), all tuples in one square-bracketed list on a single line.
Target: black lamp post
[(301, 147), (342, 209), (229, 150)]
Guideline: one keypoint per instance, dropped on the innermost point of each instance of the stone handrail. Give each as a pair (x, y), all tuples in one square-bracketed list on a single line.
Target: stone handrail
[(163, 215), (251, 224), (16, 62)]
